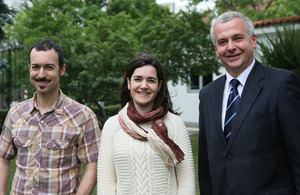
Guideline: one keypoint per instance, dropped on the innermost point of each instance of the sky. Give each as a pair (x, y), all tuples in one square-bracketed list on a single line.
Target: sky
[(179, 4)]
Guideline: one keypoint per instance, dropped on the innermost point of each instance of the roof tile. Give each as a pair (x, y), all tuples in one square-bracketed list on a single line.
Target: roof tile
[(276, 21)]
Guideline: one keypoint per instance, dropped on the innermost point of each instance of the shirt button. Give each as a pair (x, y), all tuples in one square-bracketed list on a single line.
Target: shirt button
[(42, 121), (54, 145)]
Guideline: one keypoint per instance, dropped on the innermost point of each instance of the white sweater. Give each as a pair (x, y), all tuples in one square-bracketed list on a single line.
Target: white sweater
[(130, 166)]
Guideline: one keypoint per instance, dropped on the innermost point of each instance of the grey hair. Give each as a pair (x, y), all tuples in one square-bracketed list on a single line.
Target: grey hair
[(228, 16)]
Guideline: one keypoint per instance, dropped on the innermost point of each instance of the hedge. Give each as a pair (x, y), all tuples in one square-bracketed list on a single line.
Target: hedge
[(3, 113)]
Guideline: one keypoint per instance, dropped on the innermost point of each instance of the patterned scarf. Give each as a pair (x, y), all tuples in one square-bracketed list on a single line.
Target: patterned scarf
[(157, 136)]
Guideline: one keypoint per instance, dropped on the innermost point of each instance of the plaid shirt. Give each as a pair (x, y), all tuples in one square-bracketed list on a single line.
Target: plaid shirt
[(50, 147)]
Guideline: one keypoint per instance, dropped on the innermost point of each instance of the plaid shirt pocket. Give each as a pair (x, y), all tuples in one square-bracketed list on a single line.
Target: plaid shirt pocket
[(59, 153), (23, 139)]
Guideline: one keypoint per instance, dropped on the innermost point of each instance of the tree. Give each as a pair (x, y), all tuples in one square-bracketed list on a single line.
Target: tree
[(258, 9), (6, 17), (100, 39)]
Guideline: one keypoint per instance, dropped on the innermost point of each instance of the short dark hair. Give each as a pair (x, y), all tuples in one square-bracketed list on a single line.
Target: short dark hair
[(163, 96), (45, 45)]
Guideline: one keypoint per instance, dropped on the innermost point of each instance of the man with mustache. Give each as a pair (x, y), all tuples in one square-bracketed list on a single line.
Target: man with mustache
[(249, 119), (51, 134)]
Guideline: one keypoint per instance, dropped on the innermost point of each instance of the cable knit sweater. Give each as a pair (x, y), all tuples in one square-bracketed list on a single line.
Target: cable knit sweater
[(130, 166)]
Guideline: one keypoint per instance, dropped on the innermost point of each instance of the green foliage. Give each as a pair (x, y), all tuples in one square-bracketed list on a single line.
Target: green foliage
[(104, 114), (6, 17), (2, 117), (112, 110), (99, 42), (281, 49), (3, 64), (136, 9), (258, 9), (109, 110), (283, 8), (14, 79), (181, 42)]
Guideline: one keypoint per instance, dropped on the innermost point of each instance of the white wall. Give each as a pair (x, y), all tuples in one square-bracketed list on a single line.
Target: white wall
[(187, 101)]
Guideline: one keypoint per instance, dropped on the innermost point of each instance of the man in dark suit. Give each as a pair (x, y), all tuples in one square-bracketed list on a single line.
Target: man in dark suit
[(250, 144)]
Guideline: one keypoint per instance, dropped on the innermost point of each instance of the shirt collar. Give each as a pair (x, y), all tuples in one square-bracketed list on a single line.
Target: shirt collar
[(58, 108), (242, 77)]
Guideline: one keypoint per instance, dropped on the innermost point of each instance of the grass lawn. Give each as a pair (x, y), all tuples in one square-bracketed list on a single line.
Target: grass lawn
[(194, 140)]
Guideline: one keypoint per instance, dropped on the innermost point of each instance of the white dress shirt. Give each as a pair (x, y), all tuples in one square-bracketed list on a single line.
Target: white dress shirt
[(242, 79)]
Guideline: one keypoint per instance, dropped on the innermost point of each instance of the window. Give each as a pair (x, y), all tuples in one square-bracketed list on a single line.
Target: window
[(197, 82)]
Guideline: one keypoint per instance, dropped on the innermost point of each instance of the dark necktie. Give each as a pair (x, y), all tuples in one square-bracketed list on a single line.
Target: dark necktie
[(232, 105)]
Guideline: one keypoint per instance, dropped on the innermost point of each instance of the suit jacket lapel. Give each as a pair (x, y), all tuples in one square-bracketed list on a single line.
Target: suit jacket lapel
[(216, 102), (250, 93)]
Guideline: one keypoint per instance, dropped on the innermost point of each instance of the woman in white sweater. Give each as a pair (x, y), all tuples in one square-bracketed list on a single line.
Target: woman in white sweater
[(145, 149)]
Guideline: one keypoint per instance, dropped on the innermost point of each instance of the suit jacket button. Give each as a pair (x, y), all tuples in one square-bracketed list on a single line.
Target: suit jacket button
[(228, 159)]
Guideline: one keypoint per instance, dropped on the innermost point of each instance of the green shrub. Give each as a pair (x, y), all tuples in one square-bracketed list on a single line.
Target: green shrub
[(104, 115), (282, 49), (109, 110), (3, 113)]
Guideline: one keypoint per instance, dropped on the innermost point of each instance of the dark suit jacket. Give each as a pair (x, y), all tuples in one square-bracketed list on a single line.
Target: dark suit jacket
[(263, 152)]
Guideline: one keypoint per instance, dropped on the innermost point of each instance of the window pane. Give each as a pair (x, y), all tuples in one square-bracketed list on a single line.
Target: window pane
[(195, 82)]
